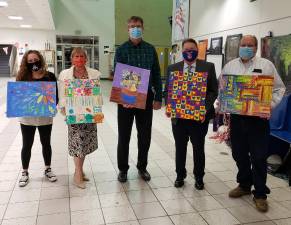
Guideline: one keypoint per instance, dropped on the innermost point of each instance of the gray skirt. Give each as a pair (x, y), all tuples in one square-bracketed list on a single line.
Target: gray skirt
[(82, 139)]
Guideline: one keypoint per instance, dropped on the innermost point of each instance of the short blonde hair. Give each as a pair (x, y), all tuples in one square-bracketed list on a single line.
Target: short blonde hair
[(79, 50)]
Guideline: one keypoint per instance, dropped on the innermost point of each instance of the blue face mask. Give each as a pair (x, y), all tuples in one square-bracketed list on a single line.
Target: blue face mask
[(135, 32), (190, 55), (246, 52)]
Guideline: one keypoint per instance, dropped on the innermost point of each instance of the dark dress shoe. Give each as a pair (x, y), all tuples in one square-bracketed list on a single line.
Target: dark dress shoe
[(122, 177), (144, 174), (180, 181), (199, 185)]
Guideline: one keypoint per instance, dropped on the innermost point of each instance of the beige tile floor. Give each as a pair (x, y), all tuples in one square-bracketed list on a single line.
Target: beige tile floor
[(106, 201)]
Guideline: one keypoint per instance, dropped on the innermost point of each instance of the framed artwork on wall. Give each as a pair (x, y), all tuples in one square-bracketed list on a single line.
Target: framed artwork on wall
[(218, 61), (180, 22), (216, 45), (278, 51), (232, 47), (202, 49)]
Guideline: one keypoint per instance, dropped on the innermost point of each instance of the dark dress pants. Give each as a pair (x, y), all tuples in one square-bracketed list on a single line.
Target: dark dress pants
[(143, 120), (249, 138), (183, 130)]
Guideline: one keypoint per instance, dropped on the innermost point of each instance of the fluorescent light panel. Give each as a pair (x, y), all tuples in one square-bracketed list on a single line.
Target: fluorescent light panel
[(15, 17), (26, 26), (3, 4)]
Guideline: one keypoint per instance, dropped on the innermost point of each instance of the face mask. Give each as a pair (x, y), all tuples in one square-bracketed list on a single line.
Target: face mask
[(190, 55), (79, 62), (135, 32), (34, 67), (246, 52)]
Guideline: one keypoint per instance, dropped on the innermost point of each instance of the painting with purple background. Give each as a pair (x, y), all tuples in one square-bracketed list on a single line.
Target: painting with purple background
[(130, 85)]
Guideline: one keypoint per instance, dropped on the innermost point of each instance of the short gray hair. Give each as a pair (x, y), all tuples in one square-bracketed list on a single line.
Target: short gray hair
[(253, 37), (79, 50)]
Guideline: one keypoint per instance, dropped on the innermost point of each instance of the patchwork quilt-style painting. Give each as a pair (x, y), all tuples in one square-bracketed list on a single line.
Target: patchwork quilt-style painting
[(31, 99), (246, 95), (130, 85), (186, 95), (82, 100)]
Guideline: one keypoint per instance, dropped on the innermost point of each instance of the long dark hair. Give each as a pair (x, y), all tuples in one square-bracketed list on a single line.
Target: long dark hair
[(24, 74)]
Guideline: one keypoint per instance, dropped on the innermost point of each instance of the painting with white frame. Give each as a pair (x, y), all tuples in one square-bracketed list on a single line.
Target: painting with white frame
[(180, 20)]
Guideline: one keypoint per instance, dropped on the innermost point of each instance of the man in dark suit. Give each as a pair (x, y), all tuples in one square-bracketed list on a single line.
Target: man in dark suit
[(183, 129)]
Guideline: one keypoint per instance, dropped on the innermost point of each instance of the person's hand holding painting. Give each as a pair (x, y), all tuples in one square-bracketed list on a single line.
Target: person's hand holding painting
[(157, 105), (128, 106)]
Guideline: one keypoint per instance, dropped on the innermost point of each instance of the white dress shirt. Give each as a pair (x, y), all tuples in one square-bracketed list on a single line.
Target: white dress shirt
[(191, 67), (237, 67)]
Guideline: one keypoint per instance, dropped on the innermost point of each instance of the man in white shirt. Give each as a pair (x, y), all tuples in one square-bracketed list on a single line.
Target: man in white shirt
[(249, 134)]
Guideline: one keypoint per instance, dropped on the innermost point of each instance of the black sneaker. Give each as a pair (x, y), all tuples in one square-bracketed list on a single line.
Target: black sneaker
[(122, 177), (23, 181), (144, 174), (50, 175)]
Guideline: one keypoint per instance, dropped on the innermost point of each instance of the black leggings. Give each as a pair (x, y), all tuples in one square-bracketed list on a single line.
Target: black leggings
[(27, 140)]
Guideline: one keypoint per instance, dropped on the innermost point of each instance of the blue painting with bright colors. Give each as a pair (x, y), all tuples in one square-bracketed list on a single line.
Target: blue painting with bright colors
[(31, 99)]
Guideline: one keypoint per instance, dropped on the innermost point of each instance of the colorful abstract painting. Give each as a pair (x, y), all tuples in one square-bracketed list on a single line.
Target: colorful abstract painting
[(186, 95), (82, 100), (130, 85), (246, 94), (31, 99), (278, 50)]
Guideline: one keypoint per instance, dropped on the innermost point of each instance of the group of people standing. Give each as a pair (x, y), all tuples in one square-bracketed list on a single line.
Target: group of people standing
[(248, 134)]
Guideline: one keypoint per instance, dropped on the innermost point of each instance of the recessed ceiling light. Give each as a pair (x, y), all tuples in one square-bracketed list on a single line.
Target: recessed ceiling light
[(15, 17), (26, 26), (3, 4)]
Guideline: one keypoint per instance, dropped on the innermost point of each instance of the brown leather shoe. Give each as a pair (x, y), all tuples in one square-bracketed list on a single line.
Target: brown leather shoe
[(238, 192), (261, 204)]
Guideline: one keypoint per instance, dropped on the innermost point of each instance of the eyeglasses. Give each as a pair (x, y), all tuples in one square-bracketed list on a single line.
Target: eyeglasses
[(249, 46), (133, 25)]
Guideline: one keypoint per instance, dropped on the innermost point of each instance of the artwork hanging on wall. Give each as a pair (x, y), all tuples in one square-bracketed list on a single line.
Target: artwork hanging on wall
[(232, 47), (180, 23), (278, 51), (31, 99), (130, 85), (82, 100), (186, 95), (246, 95), (218, 61), (202, 49), (216, 46)]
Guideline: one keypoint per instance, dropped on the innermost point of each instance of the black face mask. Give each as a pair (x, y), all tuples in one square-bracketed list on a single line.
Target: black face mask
[(35, 66)]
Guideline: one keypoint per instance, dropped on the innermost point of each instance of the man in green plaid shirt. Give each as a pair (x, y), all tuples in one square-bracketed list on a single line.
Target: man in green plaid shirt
[(137, 52)]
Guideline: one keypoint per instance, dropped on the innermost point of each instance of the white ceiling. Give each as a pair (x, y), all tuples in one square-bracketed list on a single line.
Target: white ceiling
[(34, 12)]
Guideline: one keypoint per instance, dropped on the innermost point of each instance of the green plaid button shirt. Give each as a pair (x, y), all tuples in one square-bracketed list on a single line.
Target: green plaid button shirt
[(144, 56)]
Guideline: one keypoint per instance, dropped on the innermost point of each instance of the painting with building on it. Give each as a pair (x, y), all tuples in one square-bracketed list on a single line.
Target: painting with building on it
[(82, 100), (246, 94), (186, 95), (278, 50), (130, 85), (31, 99)]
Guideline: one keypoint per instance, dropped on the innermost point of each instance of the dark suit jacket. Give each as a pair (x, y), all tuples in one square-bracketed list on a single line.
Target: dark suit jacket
[(212, 85)]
